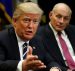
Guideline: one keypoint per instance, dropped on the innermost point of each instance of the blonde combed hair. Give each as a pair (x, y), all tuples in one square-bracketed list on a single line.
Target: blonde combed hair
[(27, 7)]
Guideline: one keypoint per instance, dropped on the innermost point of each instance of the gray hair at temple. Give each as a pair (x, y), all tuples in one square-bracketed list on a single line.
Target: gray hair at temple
[(62, 5), (27, 7)]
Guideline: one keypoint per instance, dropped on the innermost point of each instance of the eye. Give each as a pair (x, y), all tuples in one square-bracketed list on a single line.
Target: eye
[(58, 16), (26, 20), (36, 21), (66, 18)]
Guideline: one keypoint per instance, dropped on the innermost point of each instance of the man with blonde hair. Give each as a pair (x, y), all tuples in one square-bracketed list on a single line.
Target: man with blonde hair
[(15, 40)]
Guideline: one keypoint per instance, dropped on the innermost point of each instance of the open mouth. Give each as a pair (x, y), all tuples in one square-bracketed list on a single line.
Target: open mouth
[(29, 32)]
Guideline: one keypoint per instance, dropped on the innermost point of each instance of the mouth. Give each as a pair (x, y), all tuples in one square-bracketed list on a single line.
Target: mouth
[(59, 26), (29, 32)]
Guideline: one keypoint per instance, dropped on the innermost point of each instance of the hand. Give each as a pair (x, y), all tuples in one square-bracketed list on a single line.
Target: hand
[(32, 62), (55, 69)]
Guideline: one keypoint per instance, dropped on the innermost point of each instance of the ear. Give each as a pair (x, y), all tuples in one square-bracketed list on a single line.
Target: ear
[(14, 22), (50, 14)]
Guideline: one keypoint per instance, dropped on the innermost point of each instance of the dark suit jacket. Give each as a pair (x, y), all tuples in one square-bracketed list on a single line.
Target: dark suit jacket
[(51, 45), (9, 51)]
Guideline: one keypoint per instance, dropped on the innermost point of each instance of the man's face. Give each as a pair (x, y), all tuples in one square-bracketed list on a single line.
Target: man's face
[(26, 25), (60, 19)]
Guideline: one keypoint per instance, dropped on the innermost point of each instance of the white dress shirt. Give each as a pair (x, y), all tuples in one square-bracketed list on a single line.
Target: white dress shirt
[(20, 44), (66, 39)]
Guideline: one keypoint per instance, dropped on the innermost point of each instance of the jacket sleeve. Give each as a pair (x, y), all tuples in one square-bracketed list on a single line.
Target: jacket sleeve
[(7, 64)]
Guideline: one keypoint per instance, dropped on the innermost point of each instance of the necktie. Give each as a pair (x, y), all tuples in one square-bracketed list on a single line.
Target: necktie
[(66, 53), (24, 50)]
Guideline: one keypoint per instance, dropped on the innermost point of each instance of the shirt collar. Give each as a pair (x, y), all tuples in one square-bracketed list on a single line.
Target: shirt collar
[(55, 32), (20, 41)]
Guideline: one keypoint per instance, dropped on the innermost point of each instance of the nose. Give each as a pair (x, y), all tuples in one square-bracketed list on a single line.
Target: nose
[(30, 24), (61, 20)]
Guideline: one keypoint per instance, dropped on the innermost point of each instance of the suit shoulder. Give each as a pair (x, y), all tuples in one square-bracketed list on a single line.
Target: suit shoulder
[(41, 30), (37, 38), (3, 33), (71, 28)]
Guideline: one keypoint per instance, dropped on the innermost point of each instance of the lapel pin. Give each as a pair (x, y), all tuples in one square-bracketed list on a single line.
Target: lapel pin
[(34, 48)]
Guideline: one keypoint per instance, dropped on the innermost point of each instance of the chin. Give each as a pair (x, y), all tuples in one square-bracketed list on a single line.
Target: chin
[(29, 38), (59, 29)]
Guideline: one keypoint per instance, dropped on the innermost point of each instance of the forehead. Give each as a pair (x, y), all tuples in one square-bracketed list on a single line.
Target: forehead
[(31, 15), (62, 11)]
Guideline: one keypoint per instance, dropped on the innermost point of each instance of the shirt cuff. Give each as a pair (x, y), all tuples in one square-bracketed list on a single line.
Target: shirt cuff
[(55, 69), (19, 67)]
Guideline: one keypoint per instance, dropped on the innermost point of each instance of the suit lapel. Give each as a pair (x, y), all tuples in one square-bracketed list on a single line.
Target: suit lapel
[(33, 43), (14, 43), (52, 45)]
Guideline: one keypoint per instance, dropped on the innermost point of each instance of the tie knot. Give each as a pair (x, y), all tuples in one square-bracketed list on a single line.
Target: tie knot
[(59, 33), (25, 44)]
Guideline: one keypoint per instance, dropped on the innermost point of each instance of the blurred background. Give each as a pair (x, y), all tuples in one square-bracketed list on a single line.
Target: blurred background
[(7, 7)]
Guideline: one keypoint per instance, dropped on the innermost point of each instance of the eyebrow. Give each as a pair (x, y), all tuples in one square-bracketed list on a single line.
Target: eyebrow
[(26, 17)]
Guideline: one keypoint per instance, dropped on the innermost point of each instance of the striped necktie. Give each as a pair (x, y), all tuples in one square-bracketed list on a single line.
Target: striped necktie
[(24, 50)]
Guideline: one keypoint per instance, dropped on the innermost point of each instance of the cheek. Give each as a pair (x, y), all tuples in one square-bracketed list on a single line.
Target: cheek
[(35, 28), (54, 20), (22, 27), (66, 24), (19, 28)]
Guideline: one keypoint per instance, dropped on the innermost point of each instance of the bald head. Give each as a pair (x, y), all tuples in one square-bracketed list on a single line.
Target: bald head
[(62, 6), (60, 16)]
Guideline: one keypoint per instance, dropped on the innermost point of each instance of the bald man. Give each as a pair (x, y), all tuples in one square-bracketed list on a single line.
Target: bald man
[(59, 22)]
